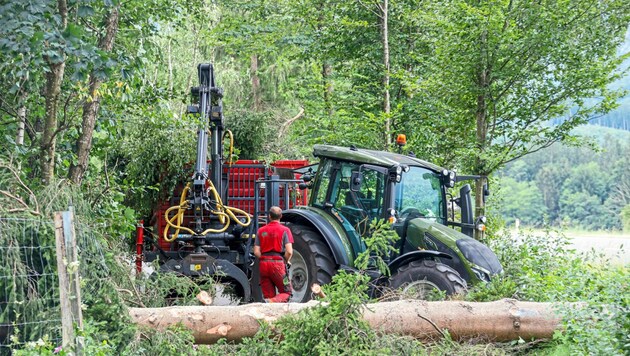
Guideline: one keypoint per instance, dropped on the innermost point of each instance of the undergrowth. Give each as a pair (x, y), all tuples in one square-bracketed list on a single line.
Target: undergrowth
[(543, 268)]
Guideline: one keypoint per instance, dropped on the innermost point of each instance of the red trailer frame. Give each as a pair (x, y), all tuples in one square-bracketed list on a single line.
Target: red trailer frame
[(241, 176)]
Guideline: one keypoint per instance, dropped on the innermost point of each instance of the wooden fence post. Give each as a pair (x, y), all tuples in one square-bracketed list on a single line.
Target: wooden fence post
[(69, 282)]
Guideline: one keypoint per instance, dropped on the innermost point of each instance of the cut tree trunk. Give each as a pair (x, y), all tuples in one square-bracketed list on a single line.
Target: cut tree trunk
[(502, 320)]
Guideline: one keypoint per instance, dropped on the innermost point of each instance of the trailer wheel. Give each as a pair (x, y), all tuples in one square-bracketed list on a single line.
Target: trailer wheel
[(422, 279), (312, 262)]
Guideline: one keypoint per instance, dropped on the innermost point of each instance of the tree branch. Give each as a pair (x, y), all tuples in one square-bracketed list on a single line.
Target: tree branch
[(25, 187), (288, 123), (372, 11)]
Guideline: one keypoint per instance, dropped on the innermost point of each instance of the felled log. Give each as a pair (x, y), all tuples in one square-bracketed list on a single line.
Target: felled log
[(502, 320), (318, 291)]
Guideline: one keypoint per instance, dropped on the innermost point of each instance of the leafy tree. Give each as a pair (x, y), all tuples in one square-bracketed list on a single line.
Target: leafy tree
[(67, 49), (587, 178), (501, 69), (549, 181), (522, 201), (581, 209), (91, 105)]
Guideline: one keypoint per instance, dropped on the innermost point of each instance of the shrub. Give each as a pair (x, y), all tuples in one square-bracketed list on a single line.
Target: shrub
[(544, 268)]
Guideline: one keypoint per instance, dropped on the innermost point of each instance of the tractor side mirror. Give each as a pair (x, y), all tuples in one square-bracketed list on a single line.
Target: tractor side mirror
[(466, 206), (356, 179)]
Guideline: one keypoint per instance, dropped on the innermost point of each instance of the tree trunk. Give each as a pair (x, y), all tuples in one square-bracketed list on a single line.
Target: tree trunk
[(170, 67), (483, 80), (502, 320), (91, 106), (54, 78), (21, 116), (48, 141), (257, 101), (386, 97)]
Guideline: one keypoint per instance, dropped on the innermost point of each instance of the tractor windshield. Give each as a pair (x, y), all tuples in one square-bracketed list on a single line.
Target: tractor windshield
[(420, 192)]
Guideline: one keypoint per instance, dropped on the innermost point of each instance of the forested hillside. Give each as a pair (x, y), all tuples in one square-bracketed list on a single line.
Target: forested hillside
[(571, 187)]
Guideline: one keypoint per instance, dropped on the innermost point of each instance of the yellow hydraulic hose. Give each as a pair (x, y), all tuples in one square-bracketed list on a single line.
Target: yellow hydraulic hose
[(231, 145), (183, 205), (225, 214), (225, 211)]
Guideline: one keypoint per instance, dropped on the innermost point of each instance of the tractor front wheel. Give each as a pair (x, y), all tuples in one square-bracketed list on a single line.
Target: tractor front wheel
[(425, 280), (312, 262)]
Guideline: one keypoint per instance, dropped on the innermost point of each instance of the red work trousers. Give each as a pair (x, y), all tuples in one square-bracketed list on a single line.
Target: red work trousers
[(273, 275)]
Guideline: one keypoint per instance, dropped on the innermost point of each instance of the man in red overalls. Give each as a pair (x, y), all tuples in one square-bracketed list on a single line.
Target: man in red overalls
[(274, 248)]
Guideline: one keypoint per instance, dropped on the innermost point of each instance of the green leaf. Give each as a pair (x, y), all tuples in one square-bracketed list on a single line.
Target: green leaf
[(85, 11), (73, 30)]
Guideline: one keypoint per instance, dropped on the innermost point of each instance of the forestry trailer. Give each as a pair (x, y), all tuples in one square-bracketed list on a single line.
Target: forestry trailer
[(208, 226)]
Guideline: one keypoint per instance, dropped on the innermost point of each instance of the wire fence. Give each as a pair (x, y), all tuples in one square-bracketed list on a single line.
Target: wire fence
[(29, 285), (30, 306)]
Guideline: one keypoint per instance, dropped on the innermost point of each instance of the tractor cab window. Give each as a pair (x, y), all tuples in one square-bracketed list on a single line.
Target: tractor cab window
[(420, 192), (359, 207), (322, 181)]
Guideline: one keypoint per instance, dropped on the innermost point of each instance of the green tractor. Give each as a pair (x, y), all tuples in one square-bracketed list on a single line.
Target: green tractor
[(350, 187), (207, 228)]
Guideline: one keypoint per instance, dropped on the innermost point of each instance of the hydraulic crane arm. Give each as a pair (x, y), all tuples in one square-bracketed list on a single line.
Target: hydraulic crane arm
[(210, 109), (205, 194)]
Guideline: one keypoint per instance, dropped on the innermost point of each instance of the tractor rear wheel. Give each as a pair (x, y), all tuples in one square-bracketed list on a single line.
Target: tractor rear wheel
[(426, 279), (312, 262)]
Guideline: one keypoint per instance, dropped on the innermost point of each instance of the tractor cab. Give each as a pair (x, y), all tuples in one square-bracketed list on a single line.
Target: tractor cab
[(355, 186), (360, 192)]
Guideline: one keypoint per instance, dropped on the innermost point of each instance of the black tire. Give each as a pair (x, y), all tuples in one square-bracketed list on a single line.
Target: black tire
[(417, 279), (312, 262)]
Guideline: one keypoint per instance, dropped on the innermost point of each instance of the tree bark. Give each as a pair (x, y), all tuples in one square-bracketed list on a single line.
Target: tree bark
[(21, 115), (502, 320), (54, 78), (481, 118), (170, 66), (91, 106), (257, 101), (386, 96)]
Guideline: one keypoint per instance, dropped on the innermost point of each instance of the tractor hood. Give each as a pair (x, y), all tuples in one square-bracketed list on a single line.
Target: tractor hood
[(469, 255)]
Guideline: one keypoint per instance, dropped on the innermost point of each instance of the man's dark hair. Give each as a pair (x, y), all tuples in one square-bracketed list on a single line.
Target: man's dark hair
[(275, 213)]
